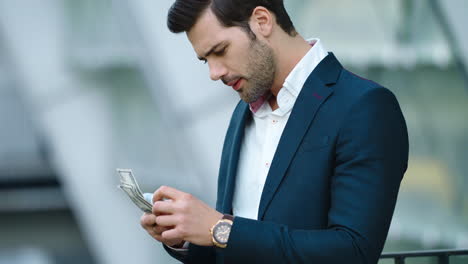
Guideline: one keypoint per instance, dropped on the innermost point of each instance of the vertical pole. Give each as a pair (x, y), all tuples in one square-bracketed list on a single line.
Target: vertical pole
[(399, 260), (444, 259)]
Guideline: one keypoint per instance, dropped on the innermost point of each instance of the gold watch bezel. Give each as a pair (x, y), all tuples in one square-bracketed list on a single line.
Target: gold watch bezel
[(213, 239)]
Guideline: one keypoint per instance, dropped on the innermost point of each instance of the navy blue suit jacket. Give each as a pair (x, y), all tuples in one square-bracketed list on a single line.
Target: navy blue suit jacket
[(332, 186)]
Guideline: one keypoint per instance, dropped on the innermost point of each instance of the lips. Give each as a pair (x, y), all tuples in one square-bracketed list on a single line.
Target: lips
[(235, 84)]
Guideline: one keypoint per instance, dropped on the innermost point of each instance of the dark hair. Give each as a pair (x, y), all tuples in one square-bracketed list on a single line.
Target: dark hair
[(184, 13)]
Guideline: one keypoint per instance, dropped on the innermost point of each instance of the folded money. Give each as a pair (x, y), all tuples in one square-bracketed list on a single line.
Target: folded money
[(130, 186)]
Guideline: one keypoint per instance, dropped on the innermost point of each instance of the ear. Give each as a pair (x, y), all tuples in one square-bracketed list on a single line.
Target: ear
[(262, 21)]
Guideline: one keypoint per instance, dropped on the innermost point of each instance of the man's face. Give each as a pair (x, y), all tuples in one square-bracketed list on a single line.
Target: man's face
[(247, 65)]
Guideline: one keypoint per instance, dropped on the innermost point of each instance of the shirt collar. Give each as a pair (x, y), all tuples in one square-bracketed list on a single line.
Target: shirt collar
[(294, 82)]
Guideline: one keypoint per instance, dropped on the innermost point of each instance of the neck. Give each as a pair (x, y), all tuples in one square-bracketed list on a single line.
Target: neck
[(288, 54)]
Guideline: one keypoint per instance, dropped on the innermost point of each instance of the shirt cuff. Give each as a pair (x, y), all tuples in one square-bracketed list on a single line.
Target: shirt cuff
[(183, 249)]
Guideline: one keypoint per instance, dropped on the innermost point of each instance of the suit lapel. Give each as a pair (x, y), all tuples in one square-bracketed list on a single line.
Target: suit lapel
[(238, 128), (312, 95)]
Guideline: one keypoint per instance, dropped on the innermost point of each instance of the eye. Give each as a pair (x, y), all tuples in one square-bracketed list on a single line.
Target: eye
[(220, 52), (205, 61)]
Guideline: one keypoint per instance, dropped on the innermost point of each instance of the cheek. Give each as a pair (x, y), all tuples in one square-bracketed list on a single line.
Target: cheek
[(237, 65), (238, 58)]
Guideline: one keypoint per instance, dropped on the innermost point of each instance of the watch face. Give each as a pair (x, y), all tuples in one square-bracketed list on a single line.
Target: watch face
[(221, 232)]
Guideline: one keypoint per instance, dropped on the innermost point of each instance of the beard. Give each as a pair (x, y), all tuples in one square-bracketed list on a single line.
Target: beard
[(261, 70)]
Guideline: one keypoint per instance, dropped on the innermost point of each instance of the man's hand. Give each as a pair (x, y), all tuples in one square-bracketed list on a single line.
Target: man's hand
[(181, 217), (148, 222)]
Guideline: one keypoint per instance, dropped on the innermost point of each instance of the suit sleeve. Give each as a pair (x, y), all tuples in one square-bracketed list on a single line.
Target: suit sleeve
[(194, 255), (370, 159)]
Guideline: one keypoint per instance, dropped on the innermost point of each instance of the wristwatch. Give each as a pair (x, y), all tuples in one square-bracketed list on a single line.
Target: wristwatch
[(221, 230)]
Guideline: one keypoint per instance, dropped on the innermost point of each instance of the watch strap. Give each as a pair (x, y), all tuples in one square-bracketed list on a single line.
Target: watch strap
[(228, 217)]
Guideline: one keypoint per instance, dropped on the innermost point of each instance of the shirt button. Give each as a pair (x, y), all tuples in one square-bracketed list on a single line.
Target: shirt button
[(275, 121), (267, 164)]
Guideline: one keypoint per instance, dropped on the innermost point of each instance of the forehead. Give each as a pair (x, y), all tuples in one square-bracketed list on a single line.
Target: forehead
[(208, 31)]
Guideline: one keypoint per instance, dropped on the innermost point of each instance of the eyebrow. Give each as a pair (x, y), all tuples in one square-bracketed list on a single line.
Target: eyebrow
[(211, 51)]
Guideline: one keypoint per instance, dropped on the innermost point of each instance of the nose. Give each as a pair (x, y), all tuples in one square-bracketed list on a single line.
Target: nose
[(217, 70)]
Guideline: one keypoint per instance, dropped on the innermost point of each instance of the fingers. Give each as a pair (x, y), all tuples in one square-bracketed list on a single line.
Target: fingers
[(163, 207), (167, 220), (157, 225), (158, 230), (148, 220), (171, 235), (166, 192)]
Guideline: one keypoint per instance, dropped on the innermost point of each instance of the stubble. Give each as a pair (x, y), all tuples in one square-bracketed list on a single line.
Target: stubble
[(261, 69)]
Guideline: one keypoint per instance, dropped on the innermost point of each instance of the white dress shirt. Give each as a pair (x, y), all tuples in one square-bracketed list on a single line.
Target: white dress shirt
[(263, 133)]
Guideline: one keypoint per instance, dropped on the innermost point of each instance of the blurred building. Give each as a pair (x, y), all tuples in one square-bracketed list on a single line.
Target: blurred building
[(88, 86)]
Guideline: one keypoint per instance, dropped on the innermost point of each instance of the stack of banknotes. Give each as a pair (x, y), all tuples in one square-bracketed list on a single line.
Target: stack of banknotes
[(130, 186)]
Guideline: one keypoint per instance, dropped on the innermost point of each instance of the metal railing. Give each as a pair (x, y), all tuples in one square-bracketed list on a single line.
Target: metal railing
[(443, 256)]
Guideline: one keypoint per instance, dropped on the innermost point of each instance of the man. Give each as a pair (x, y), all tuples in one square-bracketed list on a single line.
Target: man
[(313, 156)]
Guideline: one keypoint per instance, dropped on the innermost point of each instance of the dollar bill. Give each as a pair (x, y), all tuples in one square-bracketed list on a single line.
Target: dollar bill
[(130, 186)]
